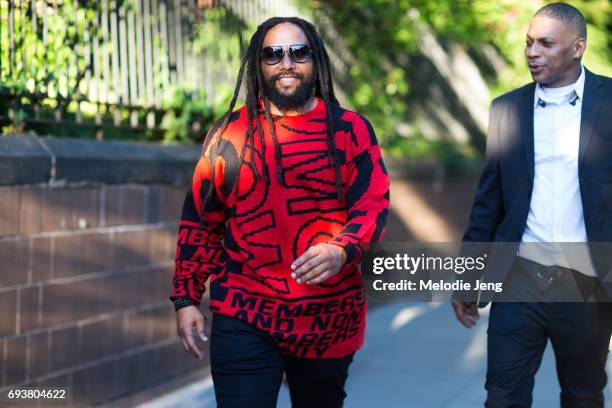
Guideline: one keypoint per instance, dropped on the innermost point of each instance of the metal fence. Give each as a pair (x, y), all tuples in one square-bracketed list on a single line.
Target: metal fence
[(107, 65), (109, 61)]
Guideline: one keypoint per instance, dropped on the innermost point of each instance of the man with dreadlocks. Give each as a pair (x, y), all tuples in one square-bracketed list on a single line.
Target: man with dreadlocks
[(289, 192)]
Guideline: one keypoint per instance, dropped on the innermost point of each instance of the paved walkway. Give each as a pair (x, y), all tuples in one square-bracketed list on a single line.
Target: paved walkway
[(415, 355)]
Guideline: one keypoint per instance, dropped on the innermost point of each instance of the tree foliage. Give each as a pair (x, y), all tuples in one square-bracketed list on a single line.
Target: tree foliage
[(384, 37)]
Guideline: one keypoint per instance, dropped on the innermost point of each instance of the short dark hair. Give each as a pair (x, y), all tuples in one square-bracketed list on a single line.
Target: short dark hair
[(567, 14)]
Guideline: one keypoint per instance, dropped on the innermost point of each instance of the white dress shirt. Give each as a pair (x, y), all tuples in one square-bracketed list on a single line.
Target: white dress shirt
[(556, 216)]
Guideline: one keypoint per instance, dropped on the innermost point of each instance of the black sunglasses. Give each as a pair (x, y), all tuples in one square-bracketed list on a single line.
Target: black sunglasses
[(299, 53)]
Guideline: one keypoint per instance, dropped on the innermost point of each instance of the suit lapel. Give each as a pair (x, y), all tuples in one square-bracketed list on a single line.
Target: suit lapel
[(526, 120), (591, 103)]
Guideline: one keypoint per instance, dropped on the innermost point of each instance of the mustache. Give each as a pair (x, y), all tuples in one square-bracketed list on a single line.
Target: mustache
[(276, 77)]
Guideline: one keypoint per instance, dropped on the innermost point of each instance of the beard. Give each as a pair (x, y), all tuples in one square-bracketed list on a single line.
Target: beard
[(292, 100)]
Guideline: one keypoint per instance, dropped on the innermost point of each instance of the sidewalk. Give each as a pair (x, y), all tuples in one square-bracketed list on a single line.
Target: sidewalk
[(416, 355)]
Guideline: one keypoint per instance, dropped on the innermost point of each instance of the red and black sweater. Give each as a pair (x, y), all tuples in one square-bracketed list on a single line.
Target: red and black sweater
[(246, 240)]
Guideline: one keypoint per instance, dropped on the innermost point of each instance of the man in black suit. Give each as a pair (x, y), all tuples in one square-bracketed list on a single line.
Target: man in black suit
[(547, 179)]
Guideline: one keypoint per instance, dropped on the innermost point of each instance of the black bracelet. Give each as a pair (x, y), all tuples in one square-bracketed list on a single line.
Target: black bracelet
[(183, 302)]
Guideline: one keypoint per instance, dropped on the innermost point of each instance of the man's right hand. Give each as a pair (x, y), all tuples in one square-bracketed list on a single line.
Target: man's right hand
[(190, 323), (466, 313)]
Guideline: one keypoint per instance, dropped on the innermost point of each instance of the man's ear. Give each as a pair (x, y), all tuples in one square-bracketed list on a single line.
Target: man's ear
[(579, 47)]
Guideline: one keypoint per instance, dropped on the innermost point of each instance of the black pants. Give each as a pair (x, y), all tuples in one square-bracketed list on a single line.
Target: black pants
[(517, 336), (247, 370)]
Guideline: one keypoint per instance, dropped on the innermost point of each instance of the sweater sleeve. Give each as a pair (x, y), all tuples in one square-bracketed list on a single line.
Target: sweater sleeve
[(199, 251), (366, 193)]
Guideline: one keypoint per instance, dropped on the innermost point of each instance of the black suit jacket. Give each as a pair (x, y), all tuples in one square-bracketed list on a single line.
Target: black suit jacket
[(502, 200)]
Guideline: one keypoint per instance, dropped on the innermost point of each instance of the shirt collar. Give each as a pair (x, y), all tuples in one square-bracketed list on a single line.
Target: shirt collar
[(578, 89)]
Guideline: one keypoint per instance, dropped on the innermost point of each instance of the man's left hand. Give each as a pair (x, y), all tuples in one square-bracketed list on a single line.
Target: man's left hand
[(319, 263)]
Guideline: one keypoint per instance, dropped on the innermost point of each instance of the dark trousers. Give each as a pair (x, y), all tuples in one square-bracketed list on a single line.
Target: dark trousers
[(247, 370), (517, 336)]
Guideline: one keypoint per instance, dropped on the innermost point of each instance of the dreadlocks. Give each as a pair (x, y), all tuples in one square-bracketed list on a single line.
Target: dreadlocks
[(255, 90)]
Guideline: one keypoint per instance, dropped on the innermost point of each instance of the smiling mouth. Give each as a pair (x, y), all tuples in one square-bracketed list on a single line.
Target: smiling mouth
[(288, 80)]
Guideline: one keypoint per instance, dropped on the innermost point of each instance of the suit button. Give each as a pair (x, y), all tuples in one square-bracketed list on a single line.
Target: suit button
[(581, 180)]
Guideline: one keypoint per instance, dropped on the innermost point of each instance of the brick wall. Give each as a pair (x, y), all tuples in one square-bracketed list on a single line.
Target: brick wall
[(87, 238)]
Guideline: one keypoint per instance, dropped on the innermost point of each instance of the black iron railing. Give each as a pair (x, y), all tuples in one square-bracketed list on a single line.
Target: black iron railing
[(100, 64)]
